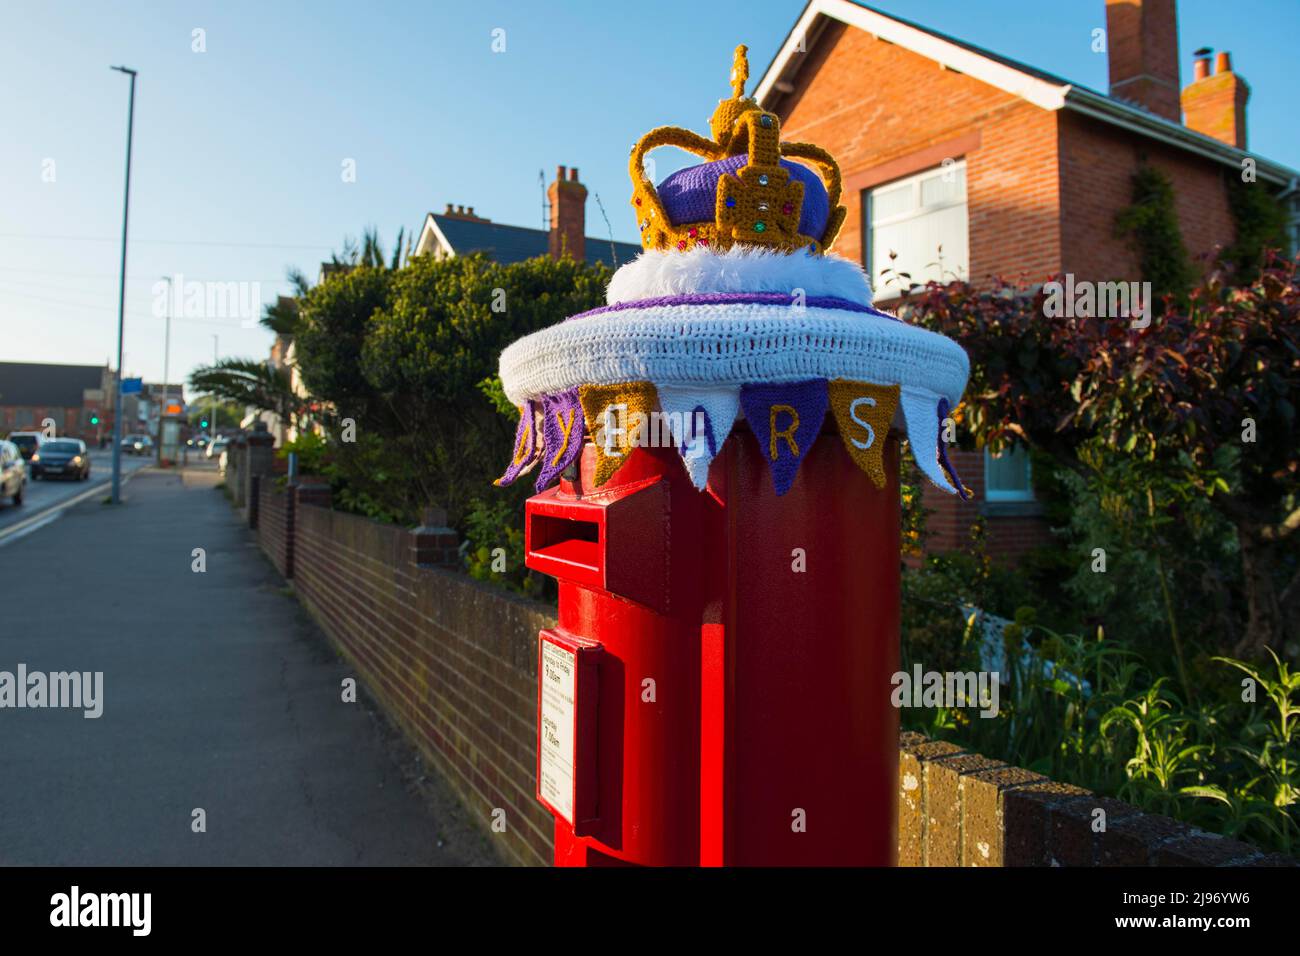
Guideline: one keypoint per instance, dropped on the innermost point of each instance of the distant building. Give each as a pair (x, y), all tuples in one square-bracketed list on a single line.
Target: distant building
[(458, 232), (67, 398)]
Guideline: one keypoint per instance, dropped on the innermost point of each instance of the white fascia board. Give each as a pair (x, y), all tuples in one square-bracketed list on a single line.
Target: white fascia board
[(1137, 120), (1049, 96), (431, 226)]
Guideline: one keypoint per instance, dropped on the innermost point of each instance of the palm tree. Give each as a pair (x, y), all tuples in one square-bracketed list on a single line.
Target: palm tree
[(249, 383)]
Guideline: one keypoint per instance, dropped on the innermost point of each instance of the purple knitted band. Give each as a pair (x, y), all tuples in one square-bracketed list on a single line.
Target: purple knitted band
[(944, 408), (738, 298), (691, 194)]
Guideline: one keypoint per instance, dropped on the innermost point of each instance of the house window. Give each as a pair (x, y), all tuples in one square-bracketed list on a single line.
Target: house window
[(1007, 476), (923, 220)]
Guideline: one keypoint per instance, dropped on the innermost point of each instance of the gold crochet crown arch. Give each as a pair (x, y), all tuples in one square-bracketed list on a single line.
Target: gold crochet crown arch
[(760, 205)]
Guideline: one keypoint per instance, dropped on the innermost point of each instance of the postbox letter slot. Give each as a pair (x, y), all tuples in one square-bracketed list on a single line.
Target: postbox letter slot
[(568, 540)]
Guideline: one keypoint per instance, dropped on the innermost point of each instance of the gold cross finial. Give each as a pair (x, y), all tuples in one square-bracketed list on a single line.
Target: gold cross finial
[(740, 71)]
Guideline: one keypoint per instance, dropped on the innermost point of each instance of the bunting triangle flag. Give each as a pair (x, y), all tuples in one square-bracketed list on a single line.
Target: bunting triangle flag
[(562, 435), (528, 447), (962, 491), (786, 418), (921, 412), (618, 420), (700, 419), (863, 412)]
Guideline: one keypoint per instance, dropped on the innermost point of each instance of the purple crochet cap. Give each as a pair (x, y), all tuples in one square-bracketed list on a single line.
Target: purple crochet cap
[(691, 194)]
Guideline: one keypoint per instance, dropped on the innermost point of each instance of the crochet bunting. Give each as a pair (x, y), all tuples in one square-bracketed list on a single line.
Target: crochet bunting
[(528, 448), (920, 412), (700, 418), (786, 418), (864, 413), (962, 490), (562, 435), (618, 420)]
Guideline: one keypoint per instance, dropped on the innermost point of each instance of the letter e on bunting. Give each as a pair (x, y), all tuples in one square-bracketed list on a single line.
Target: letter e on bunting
[(863, 412), (786, 418), (618, 420)]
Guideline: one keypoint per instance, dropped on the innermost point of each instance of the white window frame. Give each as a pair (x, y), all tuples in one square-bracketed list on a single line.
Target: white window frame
[(914, 180), (1000, 494)]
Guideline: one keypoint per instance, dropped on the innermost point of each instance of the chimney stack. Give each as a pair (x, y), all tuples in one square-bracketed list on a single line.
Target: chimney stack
[(1215, 102), (568, 199), (1142, 45)]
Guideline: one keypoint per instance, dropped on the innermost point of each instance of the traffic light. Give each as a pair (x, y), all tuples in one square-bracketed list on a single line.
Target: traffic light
[(203, 423), (94, 419)]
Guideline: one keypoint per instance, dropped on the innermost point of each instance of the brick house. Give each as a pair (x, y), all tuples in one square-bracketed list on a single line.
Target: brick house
[(458, 231), (1012, 171), (71, 396)]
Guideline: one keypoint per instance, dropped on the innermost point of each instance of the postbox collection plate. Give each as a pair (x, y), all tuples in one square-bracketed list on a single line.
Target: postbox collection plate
[(567, 687)]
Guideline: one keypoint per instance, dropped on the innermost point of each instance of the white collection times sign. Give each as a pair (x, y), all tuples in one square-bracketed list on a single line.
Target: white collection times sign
[(558, 718)]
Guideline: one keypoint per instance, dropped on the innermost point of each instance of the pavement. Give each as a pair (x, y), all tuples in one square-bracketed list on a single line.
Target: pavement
[(219, 695)]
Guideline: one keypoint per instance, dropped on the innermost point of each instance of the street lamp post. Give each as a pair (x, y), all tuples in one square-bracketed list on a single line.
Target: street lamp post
[(167, 357), (121, 296), (212, 425)]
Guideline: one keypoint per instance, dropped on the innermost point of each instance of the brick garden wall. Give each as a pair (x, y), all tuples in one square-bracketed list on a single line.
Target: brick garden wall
[(274, 532), (453, 663)]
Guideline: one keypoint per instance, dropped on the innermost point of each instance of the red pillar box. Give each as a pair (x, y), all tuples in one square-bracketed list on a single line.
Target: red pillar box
[(717, 454)]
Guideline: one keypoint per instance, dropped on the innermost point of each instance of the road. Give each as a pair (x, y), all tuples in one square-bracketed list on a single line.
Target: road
[(224, 737), (43, 498)]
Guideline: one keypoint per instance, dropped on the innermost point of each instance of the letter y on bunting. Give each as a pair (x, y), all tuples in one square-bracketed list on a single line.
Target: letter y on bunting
[(561, 434), (785, 418), (528, 445)]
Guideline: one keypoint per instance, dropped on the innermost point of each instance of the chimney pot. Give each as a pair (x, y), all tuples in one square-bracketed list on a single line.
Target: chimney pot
[(559, 174), (1223, 62), (460, 210), (573, 174), (449, 210), (1202, 68), (471, 210)]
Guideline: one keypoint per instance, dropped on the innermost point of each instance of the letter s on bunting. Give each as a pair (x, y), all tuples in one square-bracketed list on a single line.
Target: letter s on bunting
[(863, 412)]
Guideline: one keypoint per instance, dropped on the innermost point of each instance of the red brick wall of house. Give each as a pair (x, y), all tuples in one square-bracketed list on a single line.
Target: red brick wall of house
[(1043, 192), (884, 113), (1097, 166)]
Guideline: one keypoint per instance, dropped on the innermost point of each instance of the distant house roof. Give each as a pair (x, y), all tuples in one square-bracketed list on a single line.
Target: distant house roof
[(516, 243), (47, 386), (1039, 87)]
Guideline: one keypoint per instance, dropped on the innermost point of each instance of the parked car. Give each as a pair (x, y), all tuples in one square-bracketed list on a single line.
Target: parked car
[(13, 472), (27, 442), (62, 458), (216, 447)]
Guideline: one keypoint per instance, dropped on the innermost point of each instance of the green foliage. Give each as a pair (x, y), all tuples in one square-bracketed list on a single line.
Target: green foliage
[(311, 449), (249, 382), (1199, 405), (495, 548), (1261, 225), (408, 353), (1090, 712), (1151, 225)]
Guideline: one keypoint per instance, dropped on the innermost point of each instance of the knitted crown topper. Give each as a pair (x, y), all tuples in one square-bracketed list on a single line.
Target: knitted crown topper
[(748, 193)]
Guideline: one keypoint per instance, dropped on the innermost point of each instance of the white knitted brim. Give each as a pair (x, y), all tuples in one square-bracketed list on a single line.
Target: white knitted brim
[(731, 344), (739, 269)]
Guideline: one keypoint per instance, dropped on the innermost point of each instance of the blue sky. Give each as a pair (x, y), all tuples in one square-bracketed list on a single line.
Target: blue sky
[(239, 150)]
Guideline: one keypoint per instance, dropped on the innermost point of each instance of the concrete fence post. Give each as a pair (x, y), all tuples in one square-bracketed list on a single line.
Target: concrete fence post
[(433, 543), (258, 457)]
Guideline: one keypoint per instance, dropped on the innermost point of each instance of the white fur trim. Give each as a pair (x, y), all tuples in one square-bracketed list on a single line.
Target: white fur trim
[(739, 269), (731, 344)]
